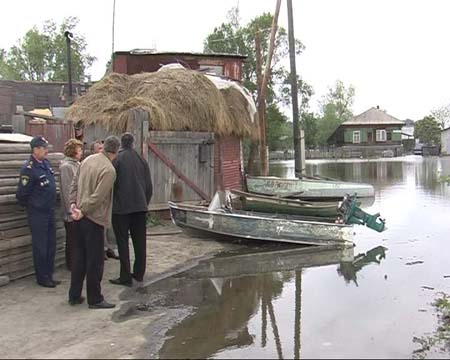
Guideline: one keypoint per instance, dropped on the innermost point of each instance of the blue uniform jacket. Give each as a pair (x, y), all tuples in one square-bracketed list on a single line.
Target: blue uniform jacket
[(37, 187)]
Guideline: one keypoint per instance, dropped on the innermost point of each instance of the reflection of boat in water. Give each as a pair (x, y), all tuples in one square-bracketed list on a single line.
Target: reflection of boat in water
[(260, 262), (348, 269), (230, 290), (307, 188)]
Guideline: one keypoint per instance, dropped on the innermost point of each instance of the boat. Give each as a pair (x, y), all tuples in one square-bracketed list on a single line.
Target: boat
[(219, 219), (307, 188), (274, 204), (347, 210)]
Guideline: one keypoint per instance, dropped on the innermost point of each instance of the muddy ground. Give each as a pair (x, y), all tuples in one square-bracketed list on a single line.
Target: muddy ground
[(37, 322)]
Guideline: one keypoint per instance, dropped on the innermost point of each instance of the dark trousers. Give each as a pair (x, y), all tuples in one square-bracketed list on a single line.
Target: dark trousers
[(70, 242), (88, 261), (43, 238), (135, 225)]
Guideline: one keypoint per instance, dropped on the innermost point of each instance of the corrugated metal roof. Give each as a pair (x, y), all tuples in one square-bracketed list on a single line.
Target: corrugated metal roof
[(151, 52), (15, 138), (374, 116)]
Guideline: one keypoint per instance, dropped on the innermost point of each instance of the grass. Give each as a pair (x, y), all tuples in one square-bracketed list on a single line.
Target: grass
[(439, 340), (444, 178)]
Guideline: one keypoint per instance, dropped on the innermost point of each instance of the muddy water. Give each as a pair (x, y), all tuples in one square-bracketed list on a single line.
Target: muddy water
[(371, 301)]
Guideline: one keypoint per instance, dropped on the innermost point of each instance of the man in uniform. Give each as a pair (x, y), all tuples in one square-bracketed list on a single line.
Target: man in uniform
[(37, 193)]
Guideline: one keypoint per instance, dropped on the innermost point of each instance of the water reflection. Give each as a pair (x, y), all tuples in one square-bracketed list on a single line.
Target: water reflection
[(237, 288), (230, 291), (382, 174), (349, 269)]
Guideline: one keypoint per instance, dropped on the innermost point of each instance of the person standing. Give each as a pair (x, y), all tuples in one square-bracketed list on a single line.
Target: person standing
[(67, 171), (37, 193), (91, 205), (110, 240), (132, 193)]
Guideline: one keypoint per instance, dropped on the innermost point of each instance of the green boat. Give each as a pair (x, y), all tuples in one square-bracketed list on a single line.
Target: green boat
[(272, 204), (318, 189)]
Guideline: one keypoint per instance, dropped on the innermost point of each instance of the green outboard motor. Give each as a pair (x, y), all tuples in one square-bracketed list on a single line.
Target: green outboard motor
[(352, 214)]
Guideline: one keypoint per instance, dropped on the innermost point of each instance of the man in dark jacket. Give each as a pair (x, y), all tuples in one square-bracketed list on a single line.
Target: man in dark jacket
[(132, 193), (37, 192)]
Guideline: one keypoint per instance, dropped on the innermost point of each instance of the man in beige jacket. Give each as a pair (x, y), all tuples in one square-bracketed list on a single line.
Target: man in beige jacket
[(91, 206)]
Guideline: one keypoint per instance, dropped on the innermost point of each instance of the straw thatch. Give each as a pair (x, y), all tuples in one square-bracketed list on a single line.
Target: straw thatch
[(175, 99)]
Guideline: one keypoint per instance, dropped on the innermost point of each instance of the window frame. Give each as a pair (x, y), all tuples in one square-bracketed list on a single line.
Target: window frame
[(358, 133), (380, 135)]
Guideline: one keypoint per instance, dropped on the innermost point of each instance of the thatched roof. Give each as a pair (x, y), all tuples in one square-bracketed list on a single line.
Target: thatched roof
[(374, 116), (175, 99)]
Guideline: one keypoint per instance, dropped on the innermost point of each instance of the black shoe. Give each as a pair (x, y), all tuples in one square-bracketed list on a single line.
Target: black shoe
[(56, 282), (111, 254), (78, 301), (120, 282), (47, 284), (136, 278), (102, 305)]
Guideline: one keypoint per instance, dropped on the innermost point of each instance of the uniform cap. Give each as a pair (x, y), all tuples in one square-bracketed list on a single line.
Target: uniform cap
[(38, 141)]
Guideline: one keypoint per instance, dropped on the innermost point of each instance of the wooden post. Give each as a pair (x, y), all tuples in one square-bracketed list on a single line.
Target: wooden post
[(299, 145), (262, 150), (139, 128)]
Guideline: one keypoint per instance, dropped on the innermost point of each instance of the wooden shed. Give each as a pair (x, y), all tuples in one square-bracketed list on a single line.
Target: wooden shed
[(187, 128), (137, 61)]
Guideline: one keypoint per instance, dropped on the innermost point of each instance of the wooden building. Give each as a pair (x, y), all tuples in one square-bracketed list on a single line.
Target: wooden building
[(193, 144), (445, 141), (137, 61), (374, 133), (33, 95)]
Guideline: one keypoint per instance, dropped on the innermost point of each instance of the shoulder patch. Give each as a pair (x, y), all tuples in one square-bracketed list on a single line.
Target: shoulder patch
[(24, 179)]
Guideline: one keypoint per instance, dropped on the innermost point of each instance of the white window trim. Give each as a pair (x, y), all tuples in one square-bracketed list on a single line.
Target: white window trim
[(381, 135), (356, 137)]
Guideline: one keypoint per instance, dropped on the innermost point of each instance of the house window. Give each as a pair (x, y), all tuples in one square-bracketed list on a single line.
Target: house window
[(381, 135), (389, 136), (356, 137)]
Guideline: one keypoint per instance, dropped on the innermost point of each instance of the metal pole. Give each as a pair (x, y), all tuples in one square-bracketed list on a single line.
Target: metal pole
[(299, 152), (113, 26), (68, 36)]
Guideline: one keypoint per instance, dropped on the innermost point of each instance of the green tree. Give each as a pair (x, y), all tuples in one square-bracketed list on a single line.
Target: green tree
[(279, 130), (428, 131), (335, 109), (232, 37), (310, 124), (41, 55)]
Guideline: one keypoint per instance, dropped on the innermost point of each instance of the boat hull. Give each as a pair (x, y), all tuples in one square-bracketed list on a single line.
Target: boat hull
[(308, 189), (263, 227)]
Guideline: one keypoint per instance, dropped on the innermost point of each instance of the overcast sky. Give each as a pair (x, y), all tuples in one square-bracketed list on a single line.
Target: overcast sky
[(394, 52)]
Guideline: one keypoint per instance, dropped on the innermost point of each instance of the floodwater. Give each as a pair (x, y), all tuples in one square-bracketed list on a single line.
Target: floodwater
[(371, 301)]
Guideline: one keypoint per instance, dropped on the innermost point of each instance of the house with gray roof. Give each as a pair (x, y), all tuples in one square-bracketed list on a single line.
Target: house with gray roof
[(374, 133)]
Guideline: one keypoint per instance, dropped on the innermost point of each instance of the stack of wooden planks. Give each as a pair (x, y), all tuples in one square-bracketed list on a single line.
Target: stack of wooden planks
[(16, 258)]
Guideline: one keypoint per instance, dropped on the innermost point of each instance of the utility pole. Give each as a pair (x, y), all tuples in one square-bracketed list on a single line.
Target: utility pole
[(299, 145), (113, 26), (68, 35)]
